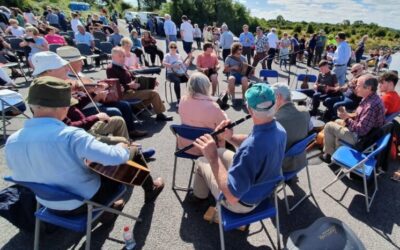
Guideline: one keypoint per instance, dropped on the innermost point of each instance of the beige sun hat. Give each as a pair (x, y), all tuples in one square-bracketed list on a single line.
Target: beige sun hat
[(70, 54)]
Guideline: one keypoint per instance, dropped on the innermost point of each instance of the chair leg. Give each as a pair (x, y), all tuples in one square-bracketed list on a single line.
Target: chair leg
[(286, 200), (174, 173), (366, 192), (334, 180), (191, 175), (165, 91), (278, 231), (37, 230), (89, 226), (176, 187), (221, 227)]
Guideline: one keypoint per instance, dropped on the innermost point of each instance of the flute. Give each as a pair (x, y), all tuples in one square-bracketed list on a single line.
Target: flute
[(215, 133)]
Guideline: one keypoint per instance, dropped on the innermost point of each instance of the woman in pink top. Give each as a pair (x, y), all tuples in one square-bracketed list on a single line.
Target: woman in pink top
[(198, 109), (53, 38)]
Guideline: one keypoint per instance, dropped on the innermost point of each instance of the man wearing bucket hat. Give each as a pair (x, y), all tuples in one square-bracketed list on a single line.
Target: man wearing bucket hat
[(54, 153), (259, 154)]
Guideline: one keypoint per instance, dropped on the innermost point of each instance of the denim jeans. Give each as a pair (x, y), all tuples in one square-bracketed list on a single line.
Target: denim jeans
[(340, 72)]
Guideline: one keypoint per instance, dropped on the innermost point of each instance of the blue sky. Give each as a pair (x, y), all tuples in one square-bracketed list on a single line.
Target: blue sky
[(383, 12)]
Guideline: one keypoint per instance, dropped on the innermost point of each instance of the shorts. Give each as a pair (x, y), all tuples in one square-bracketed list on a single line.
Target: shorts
[(187, 46), (238, 78)]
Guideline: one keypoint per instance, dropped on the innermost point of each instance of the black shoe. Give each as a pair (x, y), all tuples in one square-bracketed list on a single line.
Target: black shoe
[(137, 133), (193, 199), (163, 118), (325, 158)]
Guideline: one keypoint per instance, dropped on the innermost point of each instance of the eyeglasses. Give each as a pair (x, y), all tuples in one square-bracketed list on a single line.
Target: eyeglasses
[(172, 47)]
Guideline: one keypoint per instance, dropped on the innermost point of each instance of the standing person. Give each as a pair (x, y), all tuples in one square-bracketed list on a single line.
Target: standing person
[(302, 47), (197, 35), (246, 38), (225, 41), (284, 46), (312, 42), (294, 43), (150, 47), (170, 30), (208, 64), (186, 35), (262, 47), (341, 57), (273, 43), (150, 25), (114, 17), (319, 47), (258, 158), (173, 59), (361, 48)]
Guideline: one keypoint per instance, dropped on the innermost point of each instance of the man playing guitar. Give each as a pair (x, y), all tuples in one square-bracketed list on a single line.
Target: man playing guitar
[(207, 63)]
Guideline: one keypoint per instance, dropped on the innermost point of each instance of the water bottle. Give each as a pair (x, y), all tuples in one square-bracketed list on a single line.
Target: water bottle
[(128, 238)]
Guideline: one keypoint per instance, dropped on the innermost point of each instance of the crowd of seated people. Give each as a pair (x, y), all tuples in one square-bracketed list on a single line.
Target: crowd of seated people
[(98, 128)]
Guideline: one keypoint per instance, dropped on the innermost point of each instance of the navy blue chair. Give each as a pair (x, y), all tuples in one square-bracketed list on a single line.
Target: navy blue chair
[(54, 47), (105, 48), (265, 73), (86, 51), (229, 220), (390, 118), (362, 164), (100, 35), (295, 150), (189, 133), (311, 78), (79, 223)]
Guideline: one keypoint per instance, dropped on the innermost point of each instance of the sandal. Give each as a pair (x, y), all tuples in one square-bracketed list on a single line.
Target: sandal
[(396, 176)]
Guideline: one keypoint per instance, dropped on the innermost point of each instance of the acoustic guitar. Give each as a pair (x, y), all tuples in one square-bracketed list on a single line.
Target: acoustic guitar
[(129, 173)]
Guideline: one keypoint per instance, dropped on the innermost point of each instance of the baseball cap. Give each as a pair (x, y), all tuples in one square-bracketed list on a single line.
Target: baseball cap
[(46, 60), (260, 97), (48, 91)]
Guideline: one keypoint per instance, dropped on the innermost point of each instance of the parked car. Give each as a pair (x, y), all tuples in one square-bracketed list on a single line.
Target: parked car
[(144, 16), (129, 16)]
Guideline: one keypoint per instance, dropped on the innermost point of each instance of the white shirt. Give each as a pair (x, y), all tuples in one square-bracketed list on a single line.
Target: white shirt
[(74, 24), (18, 32), (187, 30), (272, 40), (30, 18)]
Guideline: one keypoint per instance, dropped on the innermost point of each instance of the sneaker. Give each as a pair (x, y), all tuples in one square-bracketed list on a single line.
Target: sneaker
[(158, 186), (148, 153), (162, 117)]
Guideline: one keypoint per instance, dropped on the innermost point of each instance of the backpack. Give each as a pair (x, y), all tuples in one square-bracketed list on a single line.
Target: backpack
[(18, 206)]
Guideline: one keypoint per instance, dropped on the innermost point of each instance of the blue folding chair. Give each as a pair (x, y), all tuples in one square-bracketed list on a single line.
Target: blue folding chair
[(360, 163), (54, 47), (189, 133), (79, 223), (86, 51), (100, 35), (390, 118), (295, 150), (265, 73), (105, 48), (229, 220), (311, 78)]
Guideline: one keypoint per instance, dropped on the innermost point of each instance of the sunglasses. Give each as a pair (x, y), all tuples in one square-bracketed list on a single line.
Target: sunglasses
[(173, 47), (354, 71)]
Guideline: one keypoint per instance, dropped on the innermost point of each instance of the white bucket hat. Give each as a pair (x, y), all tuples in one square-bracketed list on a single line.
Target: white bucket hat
[(69, 53), (46, 60)]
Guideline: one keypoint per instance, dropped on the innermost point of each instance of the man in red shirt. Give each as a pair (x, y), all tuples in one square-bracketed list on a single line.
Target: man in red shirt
[(390, 98), (207, 63)]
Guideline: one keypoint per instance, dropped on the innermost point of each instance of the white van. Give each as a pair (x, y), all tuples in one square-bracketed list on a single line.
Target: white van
[(144, 16)]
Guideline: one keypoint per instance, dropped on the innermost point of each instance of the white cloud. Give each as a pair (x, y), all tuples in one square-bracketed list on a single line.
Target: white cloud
[(383, 12)]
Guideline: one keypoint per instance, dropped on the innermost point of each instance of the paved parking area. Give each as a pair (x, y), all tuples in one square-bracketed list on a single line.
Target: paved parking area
[(173, 223)]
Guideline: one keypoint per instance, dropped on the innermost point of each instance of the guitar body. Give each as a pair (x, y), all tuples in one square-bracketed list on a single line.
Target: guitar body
[(129, 173)]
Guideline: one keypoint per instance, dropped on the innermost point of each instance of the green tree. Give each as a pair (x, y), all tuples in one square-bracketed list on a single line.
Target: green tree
[(310, 29), (297, 28)]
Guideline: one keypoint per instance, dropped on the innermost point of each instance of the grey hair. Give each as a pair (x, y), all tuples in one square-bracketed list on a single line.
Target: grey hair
[(283, 90), (224, 27), (265, 114), (198, 84)]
